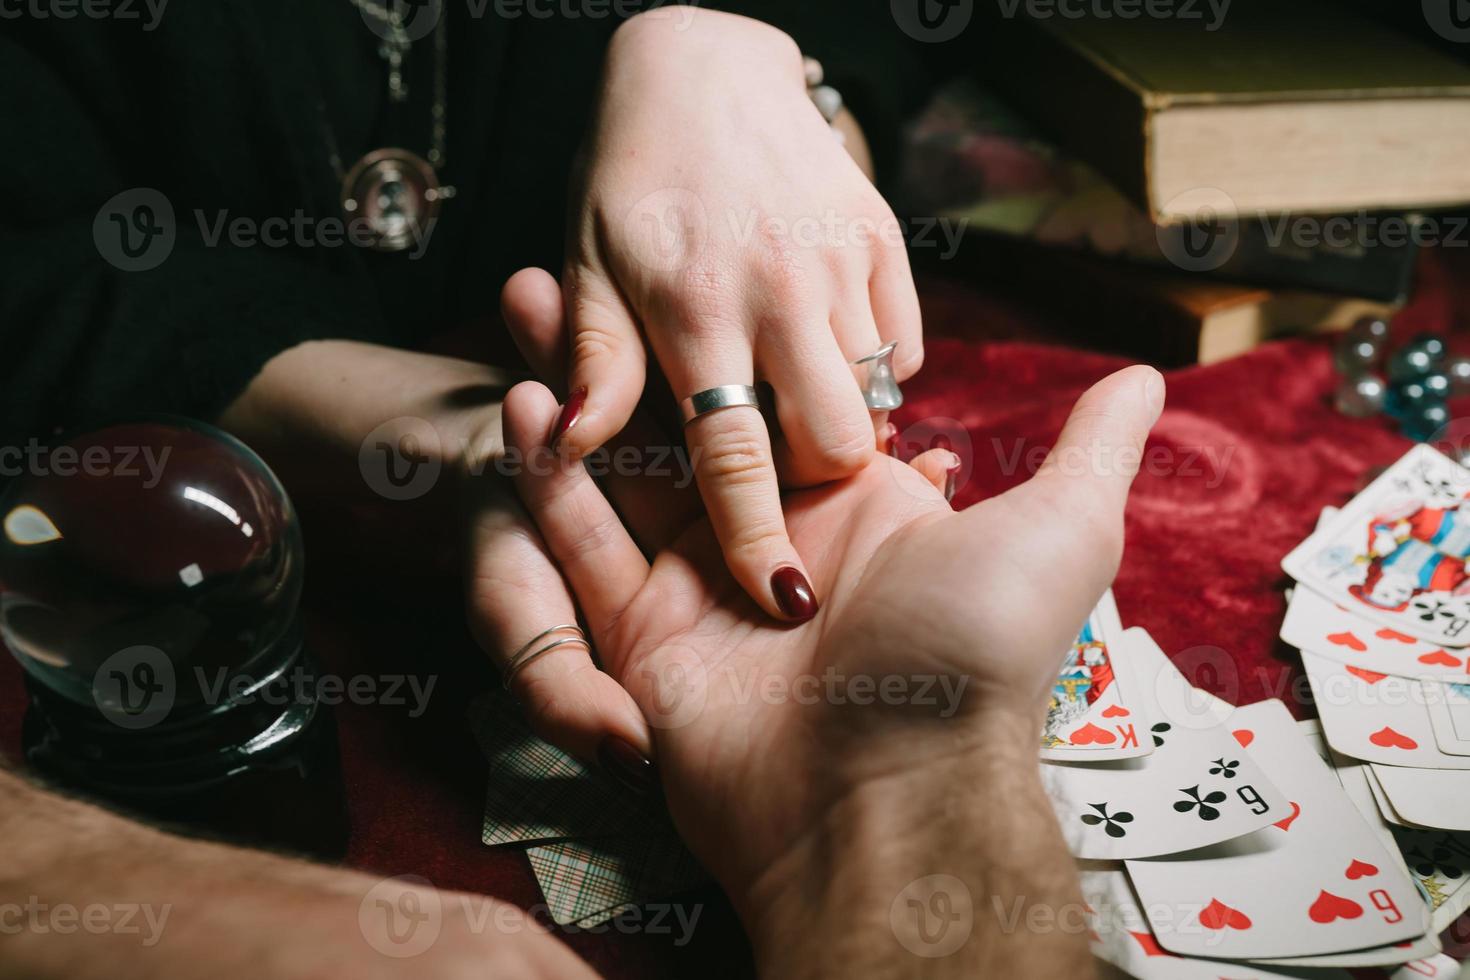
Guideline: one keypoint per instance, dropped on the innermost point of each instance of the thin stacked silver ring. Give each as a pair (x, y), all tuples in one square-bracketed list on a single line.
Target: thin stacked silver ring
[(530, 651)]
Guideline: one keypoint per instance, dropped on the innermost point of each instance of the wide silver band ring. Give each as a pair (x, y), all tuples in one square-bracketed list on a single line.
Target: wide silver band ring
[(880, 388), (715, 399), (529, 651)]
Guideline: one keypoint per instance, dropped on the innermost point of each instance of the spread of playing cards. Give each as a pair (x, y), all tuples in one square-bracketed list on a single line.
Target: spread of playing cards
[(1225, 841)]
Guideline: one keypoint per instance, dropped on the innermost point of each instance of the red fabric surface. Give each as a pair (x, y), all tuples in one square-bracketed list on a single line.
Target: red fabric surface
[(1245, 455)]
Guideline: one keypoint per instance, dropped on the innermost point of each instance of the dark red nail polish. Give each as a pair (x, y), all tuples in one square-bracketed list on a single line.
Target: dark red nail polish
[(627, 765), (794, 595), (951, 477), (571, 412)]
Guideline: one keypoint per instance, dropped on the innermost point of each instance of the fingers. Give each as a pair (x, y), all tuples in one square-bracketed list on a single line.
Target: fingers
[(1100, 448), (941, 468), (827, 432), (645, 471), (608, 365), (895, 305), (734, 467), (531, 304), (514, 593), (582, 531)]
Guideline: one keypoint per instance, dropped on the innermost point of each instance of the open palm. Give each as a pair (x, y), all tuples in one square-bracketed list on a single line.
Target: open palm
[(934, 624)]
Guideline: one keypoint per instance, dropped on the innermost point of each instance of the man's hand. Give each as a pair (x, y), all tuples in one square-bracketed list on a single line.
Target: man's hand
[(805, 763)]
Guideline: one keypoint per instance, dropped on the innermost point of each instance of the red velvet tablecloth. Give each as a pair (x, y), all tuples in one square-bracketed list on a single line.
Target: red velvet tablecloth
[(1243, 458)]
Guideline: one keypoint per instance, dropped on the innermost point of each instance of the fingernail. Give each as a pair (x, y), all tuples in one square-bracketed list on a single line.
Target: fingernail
[(951, 478), (570, 413), (794, 595), (1153, 390), (627, 765), (890, 440)]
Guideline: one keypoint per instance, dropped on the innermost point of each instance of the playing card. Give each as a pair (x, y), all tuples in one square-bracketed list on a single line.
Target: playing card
[(1427, 797), (1384, 807), (1095, 711), (1316, 624), (538, 793), (1316, 882), (1438, 860), (588, 882), (1449, 715), (1375, 717), (1198, 787), (1121, 937), (1353, 778), (1397, 552)]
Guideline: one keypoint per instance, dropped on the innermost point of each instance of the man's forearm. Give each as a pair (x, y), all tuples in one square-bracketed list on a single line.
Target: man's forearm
[(951, 869)]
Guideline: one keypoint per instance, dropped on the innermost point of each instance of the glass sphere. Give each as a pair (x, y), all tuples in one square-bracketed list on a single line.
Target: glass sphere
[(1410, 363), (1355, 355), (1458, 369), (1374, 328), (1424, 423), (1407, 398), (1360, 397), (1436, 385), (1430, 344), (160, 535)]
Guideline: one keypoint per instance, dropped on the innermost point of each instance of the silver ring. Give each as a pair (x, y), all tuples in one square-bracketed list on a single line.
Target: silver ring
[(522, 657), (880, 388), (715, 399)]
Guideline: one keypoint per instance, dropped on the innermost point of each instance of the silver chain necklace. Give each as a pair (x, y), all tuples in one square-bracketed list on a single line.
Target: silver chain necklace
[(393, 190)]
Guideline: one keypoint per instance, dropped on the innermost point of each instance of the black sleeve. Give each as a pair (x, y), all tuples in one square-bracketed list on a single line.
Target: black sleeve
[(97, 109)]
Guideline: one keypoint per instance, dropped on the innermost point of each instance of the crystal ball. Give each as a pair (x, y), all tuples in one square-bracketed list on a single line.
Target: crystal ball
[(161, 534)]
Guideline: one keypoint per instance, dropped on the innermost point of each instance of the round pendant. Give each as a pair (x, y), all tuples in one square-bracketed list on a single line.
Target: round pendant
[(395, 195)]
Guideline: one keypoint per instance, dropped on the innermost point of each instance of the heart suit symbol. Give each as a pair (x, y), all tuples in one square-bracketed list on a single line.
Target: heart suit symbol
[(1360, 869), (1115, 711), (1218, 915), (1346, 640), (1388, 634), (1090, 733), (1285, 822), (1440, 658), (1244, 736), (1390, 739), (1329, 907), (1371, 676)]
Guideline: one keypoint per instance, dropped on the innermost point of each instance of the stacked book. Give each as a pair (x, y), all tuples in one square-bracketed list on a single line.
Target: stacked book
[(1182, 189)]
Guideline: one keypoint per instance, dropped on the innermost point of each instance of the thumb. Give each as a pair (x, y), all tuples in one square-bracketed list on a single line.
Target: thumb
[(1100, 448), (608, 364)]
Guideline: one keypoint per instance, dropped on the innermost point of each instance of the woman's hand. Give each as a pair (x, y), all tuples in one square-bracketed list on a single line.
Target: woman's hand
[(720, 222), (830, 765)]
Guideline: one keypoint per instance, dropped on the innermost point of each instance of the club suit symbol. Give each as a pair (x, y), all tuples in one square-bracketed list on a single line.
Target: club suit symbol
[(135, 687), (1200, 804), (401, 917), (134, 231), (933, 916), (932, 21), (401, 459), (1112, 824)]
